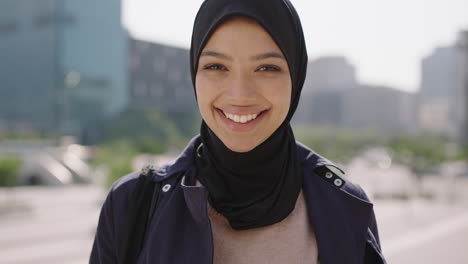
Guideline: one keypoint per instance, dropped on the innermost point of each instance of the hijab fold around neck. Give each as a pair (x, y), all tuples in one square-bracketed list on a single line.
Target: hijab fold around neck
[(260, 187)]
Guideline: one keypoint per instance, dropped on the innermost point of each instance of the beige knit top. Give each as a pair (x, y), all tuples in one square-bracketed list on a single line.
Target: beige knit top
[(290, 241)]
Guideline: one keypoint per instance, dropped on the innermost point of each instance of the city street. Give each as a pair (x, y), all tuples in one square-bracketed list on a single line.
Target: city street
[(48, 224), (423, 231), (56, 225), (91, 90)]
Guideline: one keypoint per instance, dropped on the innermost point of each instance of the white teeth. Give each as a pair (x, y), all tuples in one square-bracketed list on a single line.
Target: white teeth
[(240, 118)]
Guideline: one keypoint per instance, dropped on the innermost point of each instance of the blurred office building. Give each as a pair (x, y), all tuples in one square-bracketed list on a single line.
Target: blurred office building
[(462, 110), (322, 97), (63, 64), (332, 96), (334, 73), (379, 108), (442, 97), (160, 77)]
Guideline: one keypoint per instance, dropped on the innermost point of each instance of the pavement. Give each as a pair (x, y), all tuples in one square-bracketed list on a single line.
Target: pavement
[(423, 231), (57, 224), (48, 224)]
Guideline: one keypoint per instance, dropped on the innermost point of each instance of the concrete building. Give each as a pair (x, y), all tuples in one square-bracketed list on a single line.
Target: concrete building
[(320, 108), (367, 108), (444, 84), (330, 74), (160, 81), (461, 109), (333, 97), (63, 66), (322, 96), (160, 77), (438, 92), (382, 109)]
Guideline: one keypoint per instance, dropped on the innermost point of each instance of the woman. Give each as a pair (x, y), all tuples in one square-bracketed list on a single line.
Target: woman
[(243, 191)]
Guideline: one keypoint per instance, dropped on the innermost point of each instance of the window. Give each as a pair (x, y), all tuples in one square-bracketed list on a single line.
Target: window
[(8, 28), (140, 89), (52, 19)]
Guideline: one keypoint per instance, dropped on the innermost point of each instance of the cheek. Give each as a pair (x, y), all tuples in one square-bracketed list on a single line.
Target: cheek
[(284, 102), (279, 93), (204, 94)]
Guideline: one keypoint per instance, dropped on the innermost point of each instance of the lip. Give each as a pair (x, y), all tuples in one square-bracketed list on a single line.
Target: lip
[(241, 127)]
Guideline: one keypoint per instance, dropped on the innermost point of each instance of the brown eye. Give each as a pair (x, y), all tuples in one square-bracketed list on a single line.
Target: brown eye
[(269, 68), (214, 67)]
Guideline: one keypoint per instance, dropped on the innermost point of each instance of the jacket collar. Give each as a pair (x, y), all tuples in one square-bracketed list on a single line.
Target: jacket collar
[(339, 217)]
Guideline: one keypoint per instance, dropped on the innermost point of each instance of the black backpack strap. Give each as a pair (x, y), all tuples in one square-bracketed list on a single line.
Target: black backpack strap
[(151, 209), (154, 200), (138, 210), (143, 205)]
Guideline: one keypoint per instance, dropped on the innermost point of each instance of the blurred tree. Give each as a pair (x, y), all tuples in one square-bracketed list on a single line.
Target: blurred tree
[(338, 145), (2, 132), (9, 167), (140, 131), (420, 153), (117, 157), (187, 122), (148, 130)]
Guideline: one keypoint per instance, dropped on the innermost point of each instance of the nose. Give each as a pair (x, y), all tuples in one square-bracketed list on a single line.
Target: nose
[(241, 89)]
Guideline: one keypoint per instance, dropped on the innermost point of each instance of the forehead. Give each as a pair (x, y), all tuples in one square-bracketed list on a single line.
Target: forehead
[(240, 24), (241, 31), (236, 19)]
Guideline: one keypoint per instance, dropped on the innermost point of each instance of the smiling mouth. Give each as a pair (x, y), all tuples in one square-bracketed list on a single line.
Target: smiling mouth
[(242, 119)]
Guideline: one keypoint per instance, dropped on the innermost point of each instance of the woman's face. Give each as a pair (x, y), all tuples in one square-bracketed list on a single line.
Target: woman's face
[(243, 84)]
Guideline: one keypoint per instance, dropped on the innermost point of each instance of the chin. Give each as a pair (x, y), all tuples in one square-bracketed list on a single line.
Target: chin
[(240, 147)]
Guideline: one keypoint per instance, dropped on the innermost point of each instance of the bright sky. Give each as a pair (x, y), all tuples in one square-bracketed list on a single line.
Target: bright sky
[(385, 40)]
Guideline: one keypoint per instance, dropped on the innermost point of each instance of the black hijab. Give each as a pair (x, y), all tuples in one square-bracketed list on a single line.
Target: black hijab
[(259, 187)]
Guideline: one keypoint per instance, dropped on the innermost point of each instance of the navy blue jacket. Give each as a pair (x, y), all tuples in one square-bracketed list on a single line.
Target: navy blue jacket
[(180, 232)]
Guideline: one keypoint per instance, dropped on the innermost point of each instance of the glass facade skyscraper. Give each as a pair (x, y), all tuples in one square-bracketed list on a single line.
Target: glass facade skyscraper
[(63, 64)]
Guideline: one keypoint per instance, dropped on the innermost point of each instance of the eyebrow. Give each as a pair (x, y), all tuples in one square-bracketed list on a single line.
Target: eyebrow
[(272, 54), (215, 54), (267, 55)]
